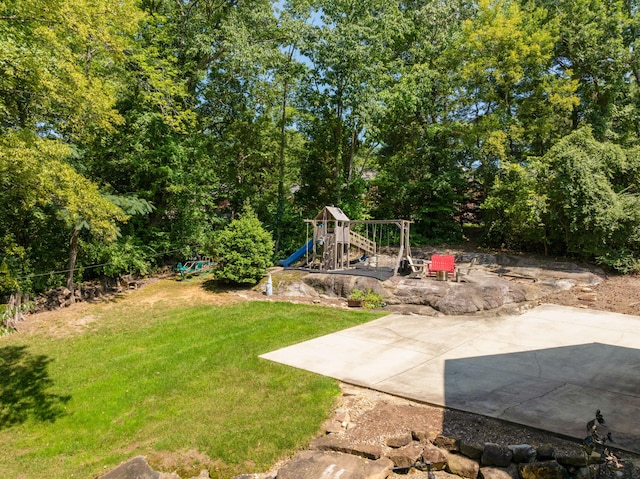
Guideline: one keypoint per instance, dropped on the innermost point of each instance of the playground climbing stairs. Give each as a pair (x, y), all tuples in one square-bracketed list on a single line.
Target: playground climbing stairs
[(362, 243)]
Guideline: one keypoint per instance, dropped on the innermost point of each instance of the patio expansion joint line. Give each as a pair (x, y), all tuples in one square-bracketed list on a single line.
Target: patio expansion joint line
[(428, 360), (398, 337), (402, 337)]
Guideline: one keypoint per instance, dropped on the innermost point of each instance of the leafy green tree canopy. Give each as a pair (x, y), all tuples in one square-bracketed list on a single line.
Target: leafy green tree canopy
[(38, 185), (581, 198), (61, 63)]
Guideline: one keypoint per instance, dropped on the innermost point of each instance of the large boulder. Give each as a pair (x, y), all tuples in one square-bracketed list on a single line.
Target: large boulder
[(489, 293), (483, 293), (399, 440), (462, 466), (341, 285), (405, 290), (471, 449), (334, 465), (137, 468), (435, 456), (496, 455), (523, 453), (406, 456), (510, 472), (486, 282)]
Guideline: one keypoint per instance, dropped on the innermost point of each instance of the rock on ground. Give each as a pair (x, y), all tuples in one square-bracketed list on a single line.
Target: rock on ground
[(137, 468), (334, 465)]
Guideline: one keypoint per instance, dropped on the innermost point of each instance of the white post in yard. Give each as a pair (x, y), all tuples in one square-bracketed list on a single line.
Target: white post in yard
[(269, 288)]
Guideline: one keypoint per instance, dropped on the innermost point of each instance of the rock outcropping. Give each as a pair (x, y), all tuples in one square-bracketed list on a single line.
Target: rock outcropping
[(485, 282)]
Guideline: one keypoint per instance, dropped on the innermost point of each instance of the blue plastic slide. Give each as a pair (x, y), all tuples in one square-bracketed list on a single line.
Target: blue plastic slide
[(300, 252)]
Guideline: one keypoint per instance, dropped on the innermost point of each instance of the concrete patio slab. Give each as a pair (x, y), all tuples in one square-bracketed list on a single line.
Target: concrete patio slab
[(550, 368)]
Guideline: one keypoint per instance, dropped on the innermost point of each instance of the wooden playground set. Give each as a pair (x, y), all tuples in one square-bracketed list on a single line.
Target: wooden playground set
[(339, 244)]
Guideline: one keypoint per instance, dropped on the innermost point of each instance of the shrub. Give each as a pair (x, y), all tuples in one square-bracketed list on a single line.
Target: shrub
[(8, 284), (243, 250), (125, 256), (582, 197), (369, 298), (623, 261)]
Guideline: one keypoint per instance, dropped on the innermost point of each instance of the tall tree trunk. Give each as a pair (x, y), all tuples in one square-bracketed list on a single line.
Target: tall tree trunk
[(283, 144), (73, 254), (352, 153), (338, 160)]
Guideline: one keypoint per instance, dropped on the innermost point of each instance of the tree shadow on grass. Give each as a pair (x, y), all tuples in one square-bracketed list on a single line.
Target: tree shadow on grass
[(24, 382), (216, 286)]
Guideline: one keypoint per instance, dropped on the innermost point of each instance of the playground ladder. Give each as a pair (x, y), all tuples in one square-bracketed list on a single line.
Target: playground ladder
[(362, 243)]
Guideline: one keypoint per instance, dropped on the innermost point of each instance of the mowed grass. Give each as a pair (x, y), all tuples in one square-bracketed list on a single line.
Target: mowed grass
[(167, 380)]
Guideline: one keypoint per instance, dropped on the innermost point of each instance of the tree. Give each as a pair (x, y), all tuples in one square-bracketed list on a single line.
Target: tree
[(516, 210), (592, 214), (350, 53), (598, 46), (580, 198), (39, 187), (243, 250), (62, 63), (419, 164), (62, 66), (514, 103)]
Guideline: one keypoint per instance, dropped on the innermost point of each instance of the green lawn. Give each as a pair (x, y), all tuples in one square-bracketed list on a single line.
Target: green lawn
[(159, 378)]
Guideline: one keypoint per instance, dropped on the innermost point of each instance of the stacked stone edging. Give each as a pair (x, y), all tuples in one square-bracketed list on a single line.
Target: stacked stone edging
[(332, 457), (441, 455), (62, 297), (465, 459)]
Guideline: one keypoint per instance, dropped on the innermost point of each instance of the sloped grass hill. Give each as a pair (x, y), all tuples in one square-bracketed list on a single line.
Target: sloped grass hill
[(155, 375)]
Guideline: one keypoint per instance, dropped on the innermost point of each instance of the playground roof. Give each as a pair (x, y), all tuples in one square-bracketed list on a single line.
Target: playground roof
[(332, 213)]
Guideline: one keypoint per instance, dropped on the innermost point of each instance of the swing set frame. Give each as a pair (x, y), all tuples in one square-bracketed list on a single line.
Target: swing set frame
[(336, 245)]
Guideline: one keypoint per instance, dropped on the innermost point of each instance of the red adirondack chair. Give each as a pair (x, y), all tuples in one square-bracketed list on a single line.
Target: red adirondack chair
[(445, 262)]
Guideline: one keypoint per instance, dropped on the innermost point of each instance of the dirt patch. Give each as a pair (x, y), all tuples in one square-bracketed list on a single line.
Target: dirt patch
[(81, 317), (618, 294), (185, 463), (375, 417)]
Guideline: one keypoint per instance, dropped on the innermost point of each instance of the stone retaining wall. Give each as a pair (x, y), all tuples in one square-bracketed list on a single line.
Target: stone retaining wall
[(416, 457), (413, 456)]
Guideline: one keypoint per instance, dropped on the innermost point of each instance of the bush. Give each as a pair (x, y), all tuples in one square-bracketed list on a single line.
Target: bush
[(581, 198), (369, 298), (243, 250), (623, 261), (125, 256), (515, 209), (8, 284)]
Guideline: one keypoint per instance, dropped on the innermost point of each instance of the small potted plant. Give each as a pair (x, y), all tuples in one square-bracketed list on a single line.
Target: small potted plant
[(366, 298), (355, 299)]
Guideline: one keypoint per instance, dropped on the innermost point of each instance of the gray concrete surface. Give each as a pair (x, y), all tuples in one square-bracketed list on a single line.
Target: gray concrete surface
[(550, 368)]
